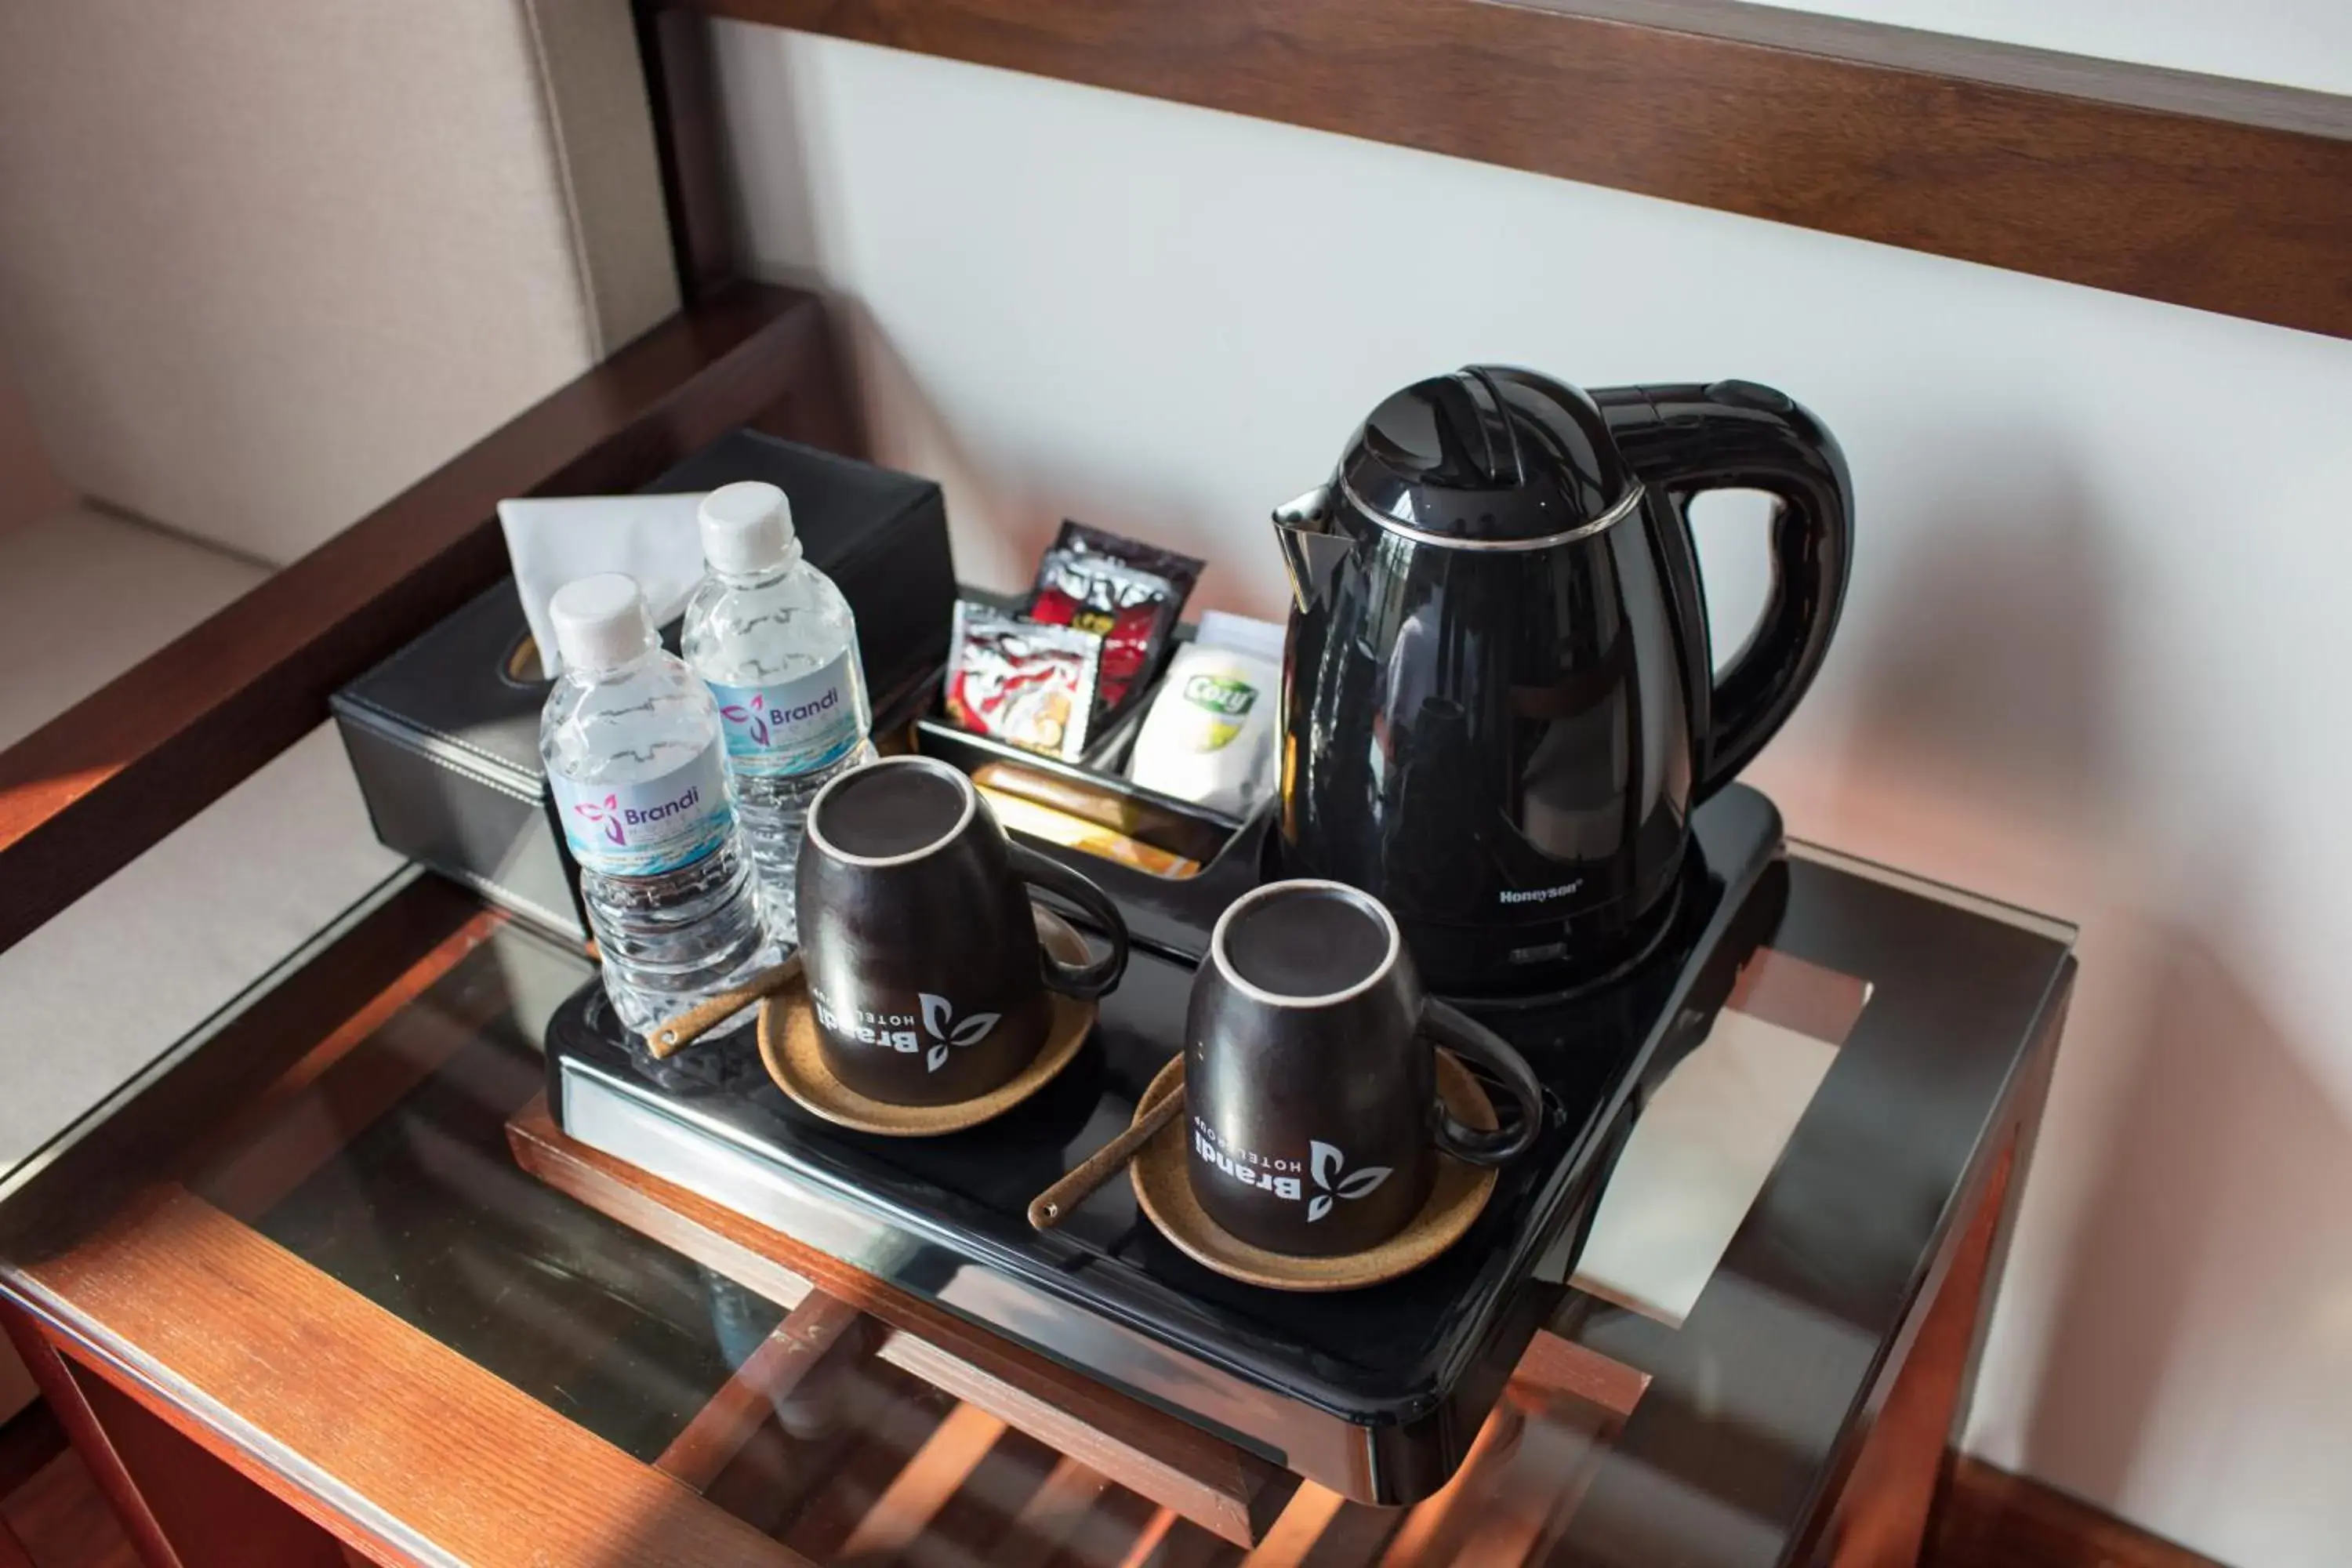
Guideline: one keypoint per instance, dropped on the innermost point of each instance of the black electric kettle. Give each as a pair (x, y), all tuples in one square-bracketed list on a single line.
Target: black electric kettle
[(1497, 694)]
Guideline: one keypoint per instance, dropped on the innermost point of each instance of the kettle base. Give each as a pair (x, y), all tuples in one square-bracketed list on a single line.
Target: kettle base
[(1482, 967), (1537, 963), (1532, 964)]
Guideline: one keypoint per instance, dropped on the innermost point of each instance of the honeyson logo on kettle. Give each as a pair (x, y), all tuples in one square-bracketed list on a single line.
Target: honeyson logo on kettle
[(616, 819), (1327, 1166), (883, 1029)]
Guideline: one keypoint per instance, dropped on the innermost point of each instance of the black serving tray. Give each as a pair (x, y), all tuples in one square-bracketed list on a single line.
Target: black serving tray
[(1375, 1392)]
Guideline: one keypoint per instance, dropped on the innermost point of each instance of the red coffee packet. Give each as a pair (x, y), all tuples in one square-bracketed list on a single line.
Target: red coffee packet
[(1128, 592), (1131, 610), (1031, 684)]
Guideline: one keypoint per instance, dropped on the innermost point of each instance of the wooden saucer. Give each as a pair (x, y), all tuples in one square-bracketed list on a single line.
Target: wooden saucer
[(1163, 1186), (788, 1044)]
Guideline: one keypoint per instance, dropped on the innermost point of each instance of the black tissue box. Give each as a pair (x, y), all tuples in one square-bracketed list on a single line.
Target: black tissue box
[(444, 735)]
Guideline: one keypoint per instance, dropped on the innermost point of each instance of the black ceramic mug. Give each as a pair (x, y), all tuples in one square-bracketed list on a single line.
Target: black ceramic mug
[(923, 963), (1311, 1088)]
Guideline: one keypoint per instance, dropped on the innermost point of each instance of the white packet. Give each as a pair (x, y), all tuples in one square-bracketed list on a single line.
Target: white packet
[(1209, 735)]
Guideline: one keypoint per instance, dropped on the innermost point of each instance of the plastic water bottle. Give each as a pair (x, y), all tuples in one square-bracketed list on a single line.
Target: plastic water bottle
[(775, 641), (633, 754)]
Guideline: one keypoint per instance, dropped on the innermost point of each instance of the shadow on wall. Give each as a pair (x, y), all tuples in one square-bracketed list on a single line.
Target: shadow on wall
[(2222, 1218), (2195, 1210), (1992, 653), (1005, 505), (1000, 524), (1003, 513)]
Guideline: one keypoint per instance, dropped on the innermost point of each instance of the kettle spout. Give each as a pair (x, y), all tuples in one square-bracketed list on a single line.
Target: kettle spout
[(1311, 552)]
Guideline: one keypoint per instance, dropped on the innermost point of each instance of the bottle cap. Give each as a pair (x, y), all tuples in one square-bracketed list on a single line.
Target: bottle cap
[(600, 621), (747, 527)]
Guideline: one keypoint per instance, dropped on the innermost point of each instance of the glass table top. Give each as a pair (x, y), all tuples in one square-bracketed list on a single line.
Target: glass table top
[(1791, 1182)]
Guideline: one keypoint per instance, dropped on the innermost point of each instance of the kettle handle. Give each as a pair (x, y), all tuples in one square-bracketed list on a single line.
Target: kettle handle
[(1736, 434)]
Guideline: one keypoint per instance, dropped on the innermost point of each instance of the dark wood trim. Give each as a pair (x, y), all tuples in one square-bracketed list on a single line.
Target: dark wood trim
[(84, 794), (2202, 191), (681, 86), (1987, 1518)]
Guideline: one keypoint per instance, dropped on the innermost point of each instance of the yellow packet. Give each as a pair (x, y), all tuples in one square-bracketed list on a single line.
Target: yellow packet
[(1076, 833)]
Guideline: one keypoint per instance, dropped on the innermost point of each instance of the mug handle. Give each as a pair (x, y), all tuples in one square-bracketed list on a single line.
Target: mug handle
[(1084, 981), (1465, 1037)]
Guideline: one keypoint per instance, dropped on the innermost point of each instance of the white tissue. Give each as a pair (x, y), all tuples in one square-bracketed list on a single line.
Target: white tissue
[(552, 540)]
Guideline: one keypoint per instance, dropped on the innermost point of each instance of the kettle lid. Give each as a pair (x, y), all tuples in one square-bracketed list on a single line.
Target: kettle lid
[(1488, 454)]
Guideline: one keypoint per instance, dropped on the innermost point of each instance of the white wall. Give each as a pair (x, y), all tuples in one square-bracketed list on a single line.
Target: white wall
[(2293, 43), (2089, 662)]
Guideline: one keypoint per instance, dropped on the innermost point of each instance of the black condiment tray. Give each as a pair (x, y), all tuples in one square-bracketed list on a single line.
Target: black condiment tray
[(1092, 790), (1094, 786), (1375, 1392)]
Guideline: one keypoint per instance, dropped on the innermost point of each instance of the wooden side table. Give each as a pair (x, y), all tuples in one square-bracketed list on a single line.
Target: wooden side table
[(327, 1286)]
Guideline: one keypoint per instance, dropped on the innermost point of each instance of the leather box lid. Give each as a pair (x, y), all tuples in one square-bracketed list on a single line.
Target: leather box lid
[(455, 694)]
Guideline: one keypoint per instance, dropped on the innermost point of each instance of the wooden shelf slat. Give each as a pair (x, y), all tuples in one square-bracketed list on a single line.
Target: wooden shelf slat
[(915, 1495), (746, 1400), (1234, 1494), (2202, 191), (1052, 1513)]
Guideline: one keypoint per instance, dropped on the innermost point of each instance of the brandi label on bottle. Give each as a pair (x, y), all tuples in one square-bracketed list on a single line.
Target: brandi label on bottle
[(646, 828), (791, 726)]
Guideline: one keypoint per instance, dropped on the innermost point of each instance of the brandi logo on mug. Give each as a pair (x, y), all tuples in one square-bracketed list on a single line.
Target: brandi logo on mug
[(1327, 1167), (895, 1031)]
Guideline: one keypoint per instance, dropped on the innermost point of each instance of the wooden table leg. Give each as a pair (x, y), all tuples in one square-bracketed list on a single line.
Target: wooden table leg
[(90, 1440), (1885, 1511), (1882, 1517), (180, 1506)]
